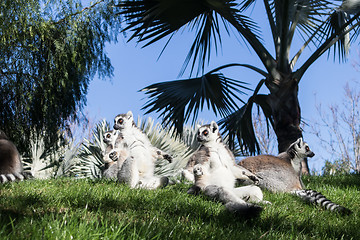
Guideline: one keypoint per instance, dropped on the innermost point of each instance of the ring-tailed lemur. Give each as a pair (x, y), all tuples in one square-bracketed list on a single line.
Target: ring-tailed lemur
[(282, 173), (210, 142), (114, 144), (115, 153), (112, 138), (216, 172), (138, 168), (11, 168), (117, 157)]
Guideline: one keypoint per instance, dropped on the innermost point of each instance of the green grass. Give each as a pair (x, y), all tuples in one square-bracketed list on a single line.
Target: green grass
[(86, 209)]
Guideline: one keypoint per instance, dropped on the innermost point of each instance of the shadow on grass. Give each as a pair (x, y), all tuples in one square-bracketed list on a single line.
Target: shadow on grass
[(169, 213)]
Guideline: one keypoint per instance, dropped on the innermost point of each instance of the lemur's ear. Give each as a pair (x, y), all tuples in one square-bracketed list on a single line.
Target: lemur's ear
[(299, 142), (129, 114), (214, 126)]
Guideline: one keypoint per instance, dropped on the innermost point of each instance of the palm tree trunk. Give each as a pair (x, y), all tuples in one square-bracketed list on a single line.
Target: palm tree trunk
[(286, 115)]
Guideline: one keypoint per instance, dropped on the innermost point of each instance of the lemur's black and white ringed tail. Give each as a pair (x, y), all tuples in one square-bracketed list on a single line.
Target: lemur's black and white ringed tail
[(317, 198)]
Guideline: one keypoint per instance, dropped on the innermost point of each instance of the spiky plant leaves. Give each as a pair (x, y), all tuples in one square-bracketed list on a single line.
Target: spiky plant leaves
[(90, 157), (45, 163), (164, 139), (68, 161), (36, 162)]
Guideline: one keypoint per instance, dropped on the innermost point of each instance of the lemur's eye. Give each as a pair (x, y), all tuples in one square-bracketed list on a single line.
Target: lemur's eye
[(307, 148), (205, 132), (120, 121), (108, 135)]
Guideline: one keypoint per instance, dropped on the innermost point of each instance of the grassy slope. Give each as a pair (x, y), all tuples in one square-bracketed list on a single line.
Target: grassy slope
[(85, 209)]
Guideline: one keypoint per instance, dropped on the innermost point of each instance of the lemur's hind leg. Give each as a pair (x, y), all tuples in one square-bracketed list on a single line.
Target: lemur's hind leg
[(250, 193), (153, 182), (129, 173), (231, 201), (222, 194)]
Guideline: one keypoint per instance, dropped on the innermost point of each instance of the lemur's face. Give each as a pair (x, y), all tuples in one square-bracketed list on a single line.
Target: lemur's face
[(307, 151), (208, 133), (109, 136), (122, 121), (301, 149)]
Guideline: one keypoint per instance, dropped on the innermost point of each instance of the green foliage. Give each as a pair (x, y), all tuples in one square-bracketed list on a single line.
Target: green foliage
[(88, 209), (337, 167), (49, 51)]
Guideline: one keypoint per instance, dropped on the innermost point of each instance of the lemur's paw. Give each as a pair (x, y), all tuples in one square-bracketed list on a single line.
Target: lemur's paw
[(168, 157)]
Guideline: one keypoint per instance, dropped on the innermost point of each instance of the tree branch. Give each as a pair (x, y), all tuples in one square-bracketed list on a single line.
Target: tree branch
[(78, 12)]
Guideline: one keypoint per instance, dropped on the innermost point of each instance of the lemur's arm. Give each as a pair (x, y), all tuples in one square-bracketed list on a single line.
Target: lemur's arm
[(244, 174), (159, 154)]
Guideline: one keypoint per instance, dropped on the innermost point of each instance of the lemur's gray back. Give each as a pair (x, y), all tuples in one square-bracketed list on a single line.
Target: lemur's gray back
[(280, 173)]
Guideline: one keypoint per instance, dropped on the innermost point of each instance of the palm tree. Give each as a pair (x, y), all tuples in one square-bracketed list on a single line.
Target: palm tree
[(324, 24)]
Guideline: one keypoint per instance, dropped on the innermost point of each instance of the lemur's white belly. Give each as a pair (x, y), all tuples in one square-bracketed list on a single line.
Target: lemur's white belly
[(220, 157), (220, 168), (143, 159), (222, 176)]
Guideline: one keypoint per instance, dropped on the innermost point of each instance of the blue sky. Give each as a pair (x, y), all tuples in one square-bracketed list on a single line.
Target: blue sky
[(136, 67)]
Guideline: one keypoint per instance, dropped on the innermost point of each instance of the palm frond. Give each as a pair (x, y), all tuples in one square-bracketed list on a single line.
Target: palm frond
[(287, 17), (335, 26), (309, 13), (305, 14), (208, 34), (330, 39), (178, 100), (152, 20), (238, 127), (245, 4), (344, 26)]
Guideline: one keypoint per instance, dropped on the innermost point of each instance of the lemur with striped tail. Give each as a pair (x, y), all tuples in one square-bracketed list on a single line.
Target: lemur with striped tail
[(282, 173)]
